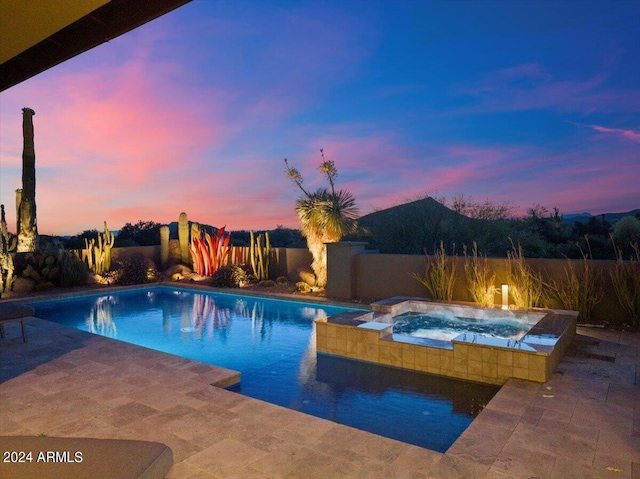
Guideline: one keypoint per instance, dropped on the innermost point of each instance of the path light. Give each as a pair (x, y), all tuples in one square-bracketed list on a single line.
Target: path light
[(505, 296)]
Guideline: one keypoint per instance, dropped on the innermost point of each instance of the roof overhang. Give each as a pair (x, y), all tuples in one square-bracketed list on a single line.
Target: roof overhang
[(36, 35)]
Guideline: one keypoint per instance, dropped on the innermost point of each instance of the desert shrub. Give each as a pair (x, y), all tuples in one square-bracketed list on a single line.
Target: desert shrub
[(439, 274), (39, 266), (135, 270), (62, 269), (625, 277), (580, 289), (230, 276), (480, 279), (525, 284), (72, 271), (626, 233)]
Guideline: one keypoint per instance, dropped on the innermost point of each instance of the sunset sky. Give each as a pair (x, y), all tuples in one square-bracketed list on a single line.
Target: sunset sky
[(520, 102)]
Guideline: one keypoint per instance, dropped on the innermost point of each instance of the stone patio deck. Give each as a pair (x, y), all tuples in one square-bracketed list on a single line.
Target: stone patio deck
[(583, 423)]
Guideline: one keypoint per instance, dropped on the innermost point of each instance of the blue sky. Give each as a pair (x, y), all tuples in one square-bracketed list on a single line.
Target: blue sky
[(519, 102)]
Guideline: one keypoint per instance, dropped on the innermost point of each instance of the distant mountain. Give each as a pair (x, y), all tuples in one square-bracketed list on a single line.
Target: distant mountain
[(419, 226), (610, 217)]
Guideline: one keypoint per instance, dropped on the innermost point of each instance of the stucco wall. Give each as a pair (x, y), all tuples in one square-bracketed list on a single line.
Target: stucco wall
[(283, 261), (380, 276)]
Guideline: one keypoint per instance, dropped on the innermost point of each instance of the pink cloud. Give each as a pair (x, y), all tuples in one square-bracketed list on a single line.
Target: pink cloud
[(111, 138), (625, 133)]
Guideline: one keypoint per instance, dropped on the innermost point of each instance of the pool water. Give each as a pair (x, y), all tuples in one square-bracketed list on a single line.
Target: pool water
[(272, 343), (444, 325)]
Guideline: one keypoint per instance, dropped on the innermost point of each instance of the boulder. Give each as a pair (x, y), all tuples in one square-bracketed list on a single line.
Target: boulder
[(179, 269), (93, 278), (23, 285), (306, 275)]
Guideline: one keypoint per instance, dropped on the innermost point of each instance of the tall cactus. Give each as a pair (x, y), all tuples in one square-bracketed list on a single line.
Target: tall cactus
[(164, 246), (108, 240), (260, 256), (7, 244), (27, 224), (183, 237), (97, 254)]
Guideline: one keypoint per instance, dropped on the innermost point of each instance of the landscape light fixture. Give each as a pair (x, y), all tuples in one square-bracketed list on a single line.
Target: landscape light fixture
[(505, 296)]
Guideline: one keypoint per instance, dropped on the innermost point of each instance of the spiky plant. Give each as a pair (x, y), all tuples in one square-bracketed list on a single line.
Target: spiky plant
[(326, 215), (525, 285), (580, 289), (439, 274), (625, 277), (480, 279)]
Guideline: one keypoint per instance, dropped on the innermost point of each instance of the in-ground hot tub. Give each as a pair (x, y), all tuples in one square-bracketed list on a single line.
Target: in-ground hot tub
[(487, 345), (442, 323)]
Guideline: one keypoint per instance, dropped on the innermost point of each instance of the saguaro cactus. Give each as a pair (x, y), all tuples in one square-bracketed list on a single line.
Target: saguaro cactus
[(27, 224), (164, 246), (183, 237)]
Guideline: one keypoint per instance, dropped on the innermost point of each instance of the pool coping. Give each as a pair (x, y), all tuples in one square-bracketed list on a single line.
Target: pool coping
[(106, 289)]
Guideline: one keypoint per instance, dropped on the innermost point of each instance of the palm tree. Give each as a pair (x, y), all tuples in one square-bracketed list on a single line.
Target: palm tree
[(325, 215)]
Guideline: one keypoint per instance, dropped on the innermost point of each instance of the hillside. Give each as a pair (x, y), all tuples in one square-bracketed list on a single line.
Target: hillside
[(419, 226), (610, 217)]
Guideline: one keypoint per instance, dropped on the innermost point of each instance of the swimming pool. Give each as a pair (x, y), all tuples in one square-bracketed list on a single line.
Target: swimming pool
[(272, 343)]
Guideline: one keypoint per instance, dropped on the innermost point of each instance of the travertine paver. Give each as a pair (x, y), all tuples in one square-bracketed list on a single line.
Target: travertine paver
[(583, 423), (70, 383)]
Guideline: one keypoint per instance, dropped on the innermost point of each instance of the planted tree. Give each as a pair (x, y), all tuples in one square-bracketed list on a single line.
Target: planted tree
[(326, 215), (143, 233)]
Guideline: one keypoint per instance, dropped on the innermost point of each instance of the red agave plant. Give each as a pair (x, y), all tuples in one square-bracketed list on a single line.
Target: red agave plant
[(209, 252)]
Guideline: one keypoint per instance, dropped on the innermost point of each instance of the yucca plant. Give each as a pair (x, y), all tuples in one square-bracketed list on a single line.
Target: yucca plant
[(480, 279), (625, 277), (439, 274), (326, 215)]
